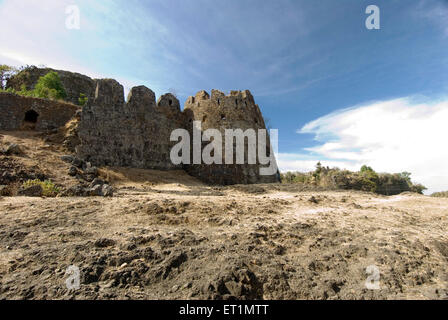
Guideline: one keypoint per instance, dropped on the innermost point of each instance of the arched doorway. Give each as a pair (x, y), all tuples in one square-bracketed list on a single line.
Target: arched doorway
[(30, 120)]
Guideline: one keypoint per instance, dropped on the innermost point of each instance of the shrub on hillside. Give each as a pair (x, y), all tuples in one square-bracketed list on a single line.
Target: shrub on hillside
[(49, 189), (364, 180), (23, 91), (443, 194), (50, 87), (47, 87), (82, 100)]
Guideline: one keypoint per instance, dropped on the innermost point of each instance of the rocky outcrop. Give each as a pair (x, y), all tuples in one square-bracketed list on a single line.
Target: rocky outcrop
[(41, 114), (74, 83)]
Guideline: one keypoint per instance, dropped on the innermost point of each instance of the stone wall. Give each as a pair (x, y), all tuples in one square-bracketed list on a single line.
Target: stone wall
[(133, 134), (74, 83), (48, 114), (136, 133), (235, 111)]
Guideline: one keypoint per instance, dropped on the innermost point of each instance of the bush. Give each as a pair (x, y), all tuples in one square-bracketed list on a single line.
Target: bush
[(47, 87), (49, 189), (82, 100), (418, 188), (50, 87), (24, 92), (365, 180), (443, 194)]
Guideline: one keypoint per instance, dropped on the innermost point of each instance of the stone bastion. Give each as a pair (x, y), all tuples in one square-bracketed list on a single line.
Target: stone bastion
[(112, 131)]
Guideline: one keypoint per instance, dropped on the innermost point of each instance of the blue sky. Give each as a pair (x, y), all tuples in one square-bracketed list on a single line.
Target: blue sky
[(311, 65)]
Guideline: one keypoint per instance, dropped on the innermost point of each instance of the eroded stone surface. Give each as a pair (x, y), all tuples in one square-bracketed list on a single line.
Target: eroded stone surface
[(133, 134), (44, 114), (137, 133), (234, 111), (110, 131)]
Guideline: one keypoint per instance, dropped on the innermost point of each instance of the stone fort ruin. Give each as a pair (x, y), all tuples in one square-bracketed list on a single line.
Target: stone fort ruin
[(17, 112), (112, 131)]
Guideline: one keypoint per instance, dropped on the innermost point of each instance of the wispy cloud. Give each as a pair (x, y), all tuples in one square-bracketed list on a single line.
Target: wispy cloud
[(34, 33), (391, 136), (304, 162), (164, 44), (435, 11)]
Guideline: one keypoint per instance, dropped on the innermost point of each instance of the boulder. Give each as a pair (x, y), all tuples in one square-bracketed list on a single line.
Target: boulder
[(96, 191), (78, 163), (9, 177), (75, 191), (89, 177), (33, 191), (13, 149), (68, 158), (107, 191), (73, 171), (91, 171), (5, 191), (96, 182)]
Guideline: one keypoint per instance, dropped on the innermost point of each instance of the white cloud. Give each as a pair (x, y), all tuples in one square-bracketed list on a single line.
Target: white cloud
[(34, 33), (305, 163), (391, 136)]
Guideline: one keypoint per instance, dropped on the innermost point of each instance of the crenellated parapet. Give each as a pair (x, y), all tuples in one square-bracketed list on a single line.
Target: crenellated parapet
[(134, 133), (236, 110), (137, 132)]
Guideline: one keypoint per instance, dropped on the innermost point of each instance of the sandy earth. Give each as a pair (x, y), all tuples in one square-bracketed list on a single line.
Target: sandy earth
[(166, 235)]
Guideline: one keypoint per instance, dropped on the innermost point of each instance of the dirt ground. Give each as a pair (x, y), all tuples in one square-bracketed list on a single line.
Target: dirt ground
[(165, 235)]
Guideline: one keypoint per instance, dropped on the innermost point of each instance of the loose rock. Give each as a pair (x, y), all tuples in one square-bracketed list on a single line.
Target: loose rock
[(33, 191)]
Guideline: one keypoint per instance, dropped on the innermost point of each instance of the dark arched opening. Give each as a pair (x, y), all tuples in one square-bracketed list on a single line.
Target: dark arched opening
[(31, 116)]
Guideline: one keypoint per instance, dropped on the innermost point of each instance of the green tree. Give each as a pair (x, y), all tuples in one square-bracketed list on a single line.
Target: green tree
[(369, 179), (366, 169), (50, 87), (418, 188), (406, 176), (24, 92), (318, 171)]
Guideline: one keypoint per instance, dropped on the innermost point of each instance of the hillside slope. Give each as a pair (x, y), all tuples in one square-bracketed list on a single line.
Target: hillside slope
[(164, 235)]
